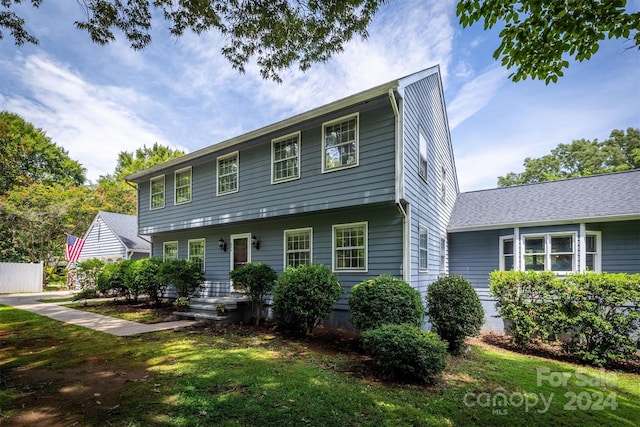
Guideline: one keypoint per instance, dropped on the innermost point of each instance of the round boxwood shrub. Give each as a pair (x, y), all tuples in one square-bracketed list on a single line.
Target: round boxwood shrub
[(455, 311), (384, 299), (304, 296), (406, 352), (255, 280)]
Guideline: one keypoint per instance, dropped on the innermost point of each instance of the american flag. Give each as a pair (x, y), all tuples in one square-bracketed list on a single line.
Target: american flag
[(73, 249)]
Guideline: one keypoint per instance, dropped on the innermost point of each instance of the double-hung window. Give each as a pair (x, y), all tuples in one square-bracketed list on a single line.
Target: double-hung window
[(285, 158), (298, 246), (550, 252), (157, 192), (443, 254), (350, 247), (228, 174), (506, 253), (422, 166), (196, 252), (593, 251), (183, 186), (423, 245), (340, 142), (169, 251)]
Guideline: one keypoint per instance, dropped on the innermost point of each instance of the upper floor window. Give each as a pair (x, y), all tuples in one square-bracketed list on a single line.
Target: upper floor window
[(157, 192), (169, 251), (298, 246), (228, 174), (196, 252), (443, 254), (340, 143), (350, 247), (183, 186), (593, 251), (422, 165), (285, 157), (550, 252), (506, 253), (423, 248), (443, 184)]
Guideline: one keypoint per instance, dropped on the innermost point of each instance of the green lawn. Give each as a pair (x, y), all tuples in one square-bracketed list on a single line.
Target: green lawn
[(240, 378)]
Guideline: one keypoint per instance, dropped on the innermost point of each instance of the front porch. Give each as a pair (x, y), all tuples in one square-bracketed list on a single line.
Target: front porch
[(204, 304)]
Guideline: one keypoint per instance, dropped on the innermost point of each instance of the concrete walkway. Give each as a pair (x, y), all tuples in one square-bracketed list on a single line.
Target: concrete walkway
[(97, 322)]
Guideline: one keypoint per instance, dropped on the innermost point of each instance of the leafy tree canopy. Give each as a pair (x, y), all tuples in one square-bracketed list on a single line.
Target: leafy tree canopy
[(277, 33), (581, 158), (143, 158), (27, 156), (538, 34)]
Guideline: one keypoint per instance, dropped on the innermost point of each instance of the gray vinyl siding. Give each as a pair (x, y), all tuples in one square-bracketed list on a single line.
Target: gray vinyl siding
[(384, 243), (423, 108), (372, 181), (620, 246), (102, 243), (474, 255)]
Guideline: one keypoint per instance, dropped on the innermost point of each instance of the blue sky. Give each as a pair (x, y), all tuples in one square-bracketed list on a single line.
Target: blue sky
[(96, 101)]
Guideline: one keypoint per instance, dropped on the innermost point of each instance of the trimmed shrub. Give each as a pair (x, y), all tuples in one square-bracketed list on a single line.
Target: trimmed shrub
[(142, 277), (88, 272), (382, 300), (184, 275), (454, 310), (305, 295), (406, 352), (255, 280), (111, 279)]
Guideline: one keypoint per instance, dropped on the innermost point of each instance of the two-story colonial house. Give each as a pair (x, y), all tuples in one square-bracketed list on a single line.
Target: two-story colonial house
[(365, 185)]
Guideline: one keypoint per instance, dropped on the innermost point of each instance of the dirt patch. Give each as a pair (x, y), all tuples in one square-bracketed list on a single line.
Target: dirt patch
[(65, 397)]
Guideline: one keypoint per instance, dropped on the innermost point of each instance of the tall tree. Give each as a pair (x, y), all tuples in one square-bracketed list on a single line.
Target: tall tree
[(27, 156), (539, 34), (581, 158), (277, 33)]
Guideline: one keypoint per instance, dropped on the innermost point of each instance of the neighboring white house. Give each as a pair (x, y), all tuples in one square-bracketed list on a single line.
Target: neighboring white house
[(113, 237)]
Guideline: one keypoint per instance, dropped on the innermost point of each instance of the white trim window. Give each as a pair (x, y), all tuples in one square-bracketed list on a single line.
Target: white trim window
[(340, 141), (196, 252), (443, 184), (182, 186), (285, 158), (593, 243), (156, 190), (227, 174), (423, 248), (298, 247), (443, 254), (350, 247), (170, 250), (422, 162), (507, 253), (549, 252)]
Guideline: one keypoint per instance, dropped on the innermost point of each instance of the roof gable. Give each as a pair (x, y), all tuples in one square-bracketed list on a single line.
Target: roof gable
[(125, 228), (593, 198)]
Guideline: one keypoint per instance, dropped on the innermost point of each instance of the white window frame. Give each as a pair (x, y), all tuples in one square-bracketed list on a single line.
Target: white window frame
[(547, 250), (164, 250), (151, 193), (502, 254), (326, 169), (423, 229), (190, 256), (443, 184), (598, 253), (423, 155), (237, 174), (443, 253), (286, 246), (334, 248), (297, 136), (175, 185)]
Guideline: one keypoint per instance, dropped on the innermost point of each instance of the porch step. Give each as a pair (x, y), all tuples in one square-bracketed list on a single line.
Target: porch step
[(201, 315)]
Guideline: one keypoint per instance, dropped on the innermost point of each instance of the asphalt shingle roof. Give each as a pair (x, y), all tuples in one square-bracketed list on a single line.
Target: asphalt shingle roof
[(126, 228), (597, 197)]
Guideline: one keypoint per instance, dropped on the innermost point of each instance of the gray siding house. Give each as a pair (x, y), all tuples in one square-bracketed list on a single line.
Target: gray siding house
[(113, 237), (365, 185), (574, 225)]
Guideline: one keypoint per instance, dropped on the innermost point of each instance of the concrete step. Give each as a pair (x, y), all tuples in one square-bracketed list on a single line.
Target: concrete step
[(220, 300), (200, 315), (211, 307)]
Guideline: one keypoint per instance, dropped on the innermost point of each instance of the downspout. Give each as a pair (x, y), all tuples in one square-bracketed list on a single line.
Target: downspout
[(399, 189)]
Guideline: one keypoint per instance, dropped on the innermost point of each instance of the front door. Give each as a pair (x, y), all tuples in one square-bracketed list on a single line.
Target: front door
[(240, 251)]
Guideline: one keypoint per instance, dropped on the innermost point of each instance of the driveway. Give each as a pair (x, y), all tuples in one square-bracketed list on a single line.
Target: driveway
[(97, 322)]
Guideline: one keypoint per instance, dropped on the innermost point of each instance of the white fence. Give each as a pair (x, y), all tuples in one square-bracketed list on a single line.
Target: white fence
[(16, 277)]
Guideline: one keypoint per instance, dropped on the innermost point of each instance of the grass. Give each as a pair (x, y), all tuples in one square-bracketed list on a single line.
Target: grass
[(243, 378)]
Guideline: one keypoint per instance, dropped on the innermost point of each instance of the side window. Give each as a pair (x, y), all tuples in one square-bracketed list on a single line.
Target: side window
[(593, 251), (443, 254), (156, 188), (423, 244), (422, 165), (506, 253), (169, 251), (228, 174), (340, 142), (183, 186)]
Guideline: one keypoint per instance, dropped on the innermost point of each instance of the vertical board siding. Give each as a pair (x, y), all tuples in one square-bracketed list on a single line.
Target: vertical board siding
[(21, 277), (384, 243), (372, 181), (102, 243), (423, 109)]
